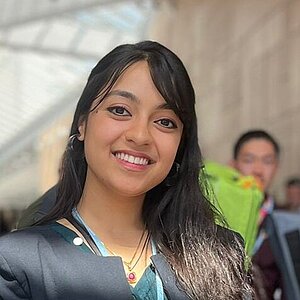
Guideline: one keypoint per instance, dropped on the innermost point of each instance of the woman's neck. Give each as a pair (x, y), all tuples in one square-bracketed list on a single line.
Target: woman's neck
[(108, 213), (116, 219)]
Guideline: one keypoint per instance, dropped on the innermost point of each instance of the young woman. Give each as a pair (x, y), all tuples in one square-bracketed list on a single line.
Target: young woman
[(131, 220)]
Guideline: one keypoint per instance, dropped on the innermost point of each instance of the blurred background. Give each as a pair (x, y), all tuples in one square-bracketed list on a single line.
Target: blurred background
[(243, 58)]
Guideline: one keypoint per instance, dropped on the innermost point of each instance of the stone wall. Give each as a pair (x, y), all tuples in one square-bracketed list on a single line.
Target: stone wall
[(244, 60)]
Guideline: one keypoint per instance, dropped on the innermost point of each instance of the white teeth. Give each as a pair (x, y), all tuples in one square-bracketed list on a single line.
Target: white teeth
[(132, 159)]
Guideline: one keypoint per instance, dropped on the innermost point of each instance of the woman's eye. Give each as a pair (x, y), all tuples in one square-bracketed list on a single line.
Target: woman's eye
[(166, 123), (119, 111)]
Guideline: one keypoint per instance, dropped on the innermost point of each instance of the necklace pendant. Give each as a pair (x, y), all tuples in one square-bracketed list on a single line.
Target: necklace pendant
[(131, 277)]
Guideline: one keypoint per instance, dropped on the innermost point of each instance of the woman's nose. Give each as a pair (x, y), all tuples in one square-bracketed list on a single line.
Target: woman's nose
[(139, 133)]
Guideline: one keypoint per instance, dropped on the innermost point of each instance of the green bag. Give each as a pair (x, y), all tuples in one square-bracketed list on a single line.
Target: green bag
[(238, 198)]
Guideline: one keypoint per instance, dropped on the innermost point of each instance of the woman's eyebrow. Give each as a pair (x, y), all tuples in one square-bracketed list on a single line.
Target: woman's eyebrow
[(124, 94), (134, 98), (164, 106)]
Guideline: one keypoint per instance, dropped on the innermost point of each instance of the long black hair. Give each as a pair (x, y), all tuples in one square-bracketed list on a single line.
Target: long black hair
[(207, 260)]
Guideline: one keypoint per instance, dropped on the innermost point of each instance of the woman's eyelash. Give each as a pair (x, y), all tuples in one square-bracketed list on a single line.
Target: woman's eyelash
[(119, 110), (166, 123)]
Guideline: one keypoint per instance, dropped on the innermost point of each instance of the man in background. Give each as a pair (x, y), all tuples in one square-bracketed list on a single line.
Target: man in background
[(292, 194), (256, 153)]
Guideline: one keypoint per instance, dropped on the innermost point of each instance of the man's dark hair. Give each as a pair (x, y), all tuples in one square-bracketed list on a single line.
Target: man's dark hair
[(254, 134)]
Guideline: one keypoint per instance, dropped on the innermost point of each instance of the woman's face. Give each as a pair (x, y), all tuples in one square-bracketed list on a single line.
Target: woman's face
[(131, 138)]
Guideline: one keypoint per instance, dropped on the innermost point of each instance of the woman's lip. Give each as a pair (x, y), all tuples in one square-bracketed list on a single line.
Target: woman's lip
[(131, 166), (135, 154)]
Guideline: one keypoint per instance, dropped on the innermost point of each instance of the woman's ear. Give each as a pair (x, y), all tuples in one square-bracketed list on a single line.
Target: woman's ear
[(81, 130)]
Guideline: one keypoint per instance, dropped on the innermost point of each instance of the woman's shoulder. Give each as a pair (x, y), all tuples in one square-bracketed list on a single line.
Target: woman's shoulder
[(25, 239), (52, 239), (28, 231)]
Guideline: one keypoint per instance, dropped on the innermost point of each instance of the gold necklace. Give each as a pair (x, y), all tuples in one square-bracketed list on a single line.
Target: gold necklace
[(134, 254), (131, 276)]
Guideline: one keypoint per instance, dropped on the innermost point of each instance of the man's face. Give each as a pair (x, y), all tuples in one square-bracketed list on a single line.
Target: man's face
[(257, 157)]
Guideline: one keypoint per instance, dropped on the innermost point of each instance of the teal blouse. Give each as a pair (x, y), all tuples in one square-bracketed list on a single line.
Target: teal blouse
[(145, 288)]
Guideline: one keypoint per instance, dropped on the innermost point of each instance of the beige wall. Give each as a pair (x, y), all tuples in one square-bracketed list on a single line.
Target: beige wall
[(244, 60)]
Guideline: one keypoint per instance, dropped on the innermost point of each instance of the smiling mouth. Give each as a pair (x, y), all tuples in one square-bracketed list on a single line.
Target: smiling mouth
[(142, 161)]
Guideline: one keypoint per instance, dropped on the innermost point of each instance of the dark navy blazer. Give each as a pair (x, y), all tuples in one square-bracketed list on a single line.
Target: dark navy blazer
[(38, 263)]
